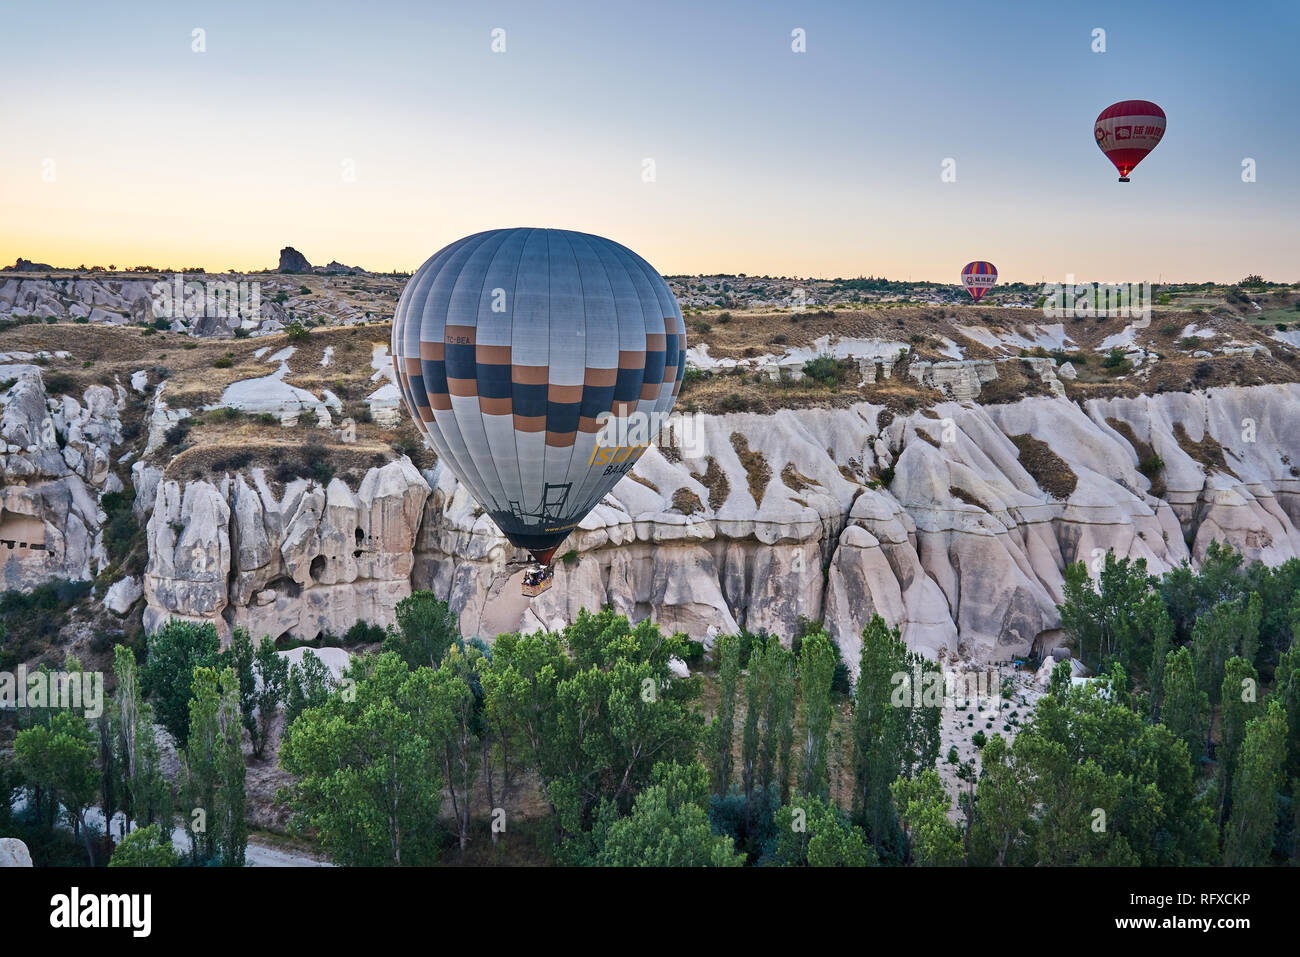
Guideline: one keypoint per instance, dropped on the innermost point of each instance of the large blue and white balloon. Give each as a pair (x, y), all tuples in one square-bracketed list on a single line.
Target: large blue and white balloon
[(514, 347)]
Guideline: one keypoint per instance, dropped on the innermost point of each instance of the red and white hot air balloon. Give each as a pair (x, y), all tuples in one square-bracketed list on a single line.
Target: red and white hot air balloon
[(1128, 131), (978, 278)]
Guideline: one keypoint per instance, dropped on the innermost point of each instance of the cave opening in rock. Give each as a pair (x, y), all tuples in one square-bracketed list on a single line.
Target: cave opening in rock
[(317, 568)]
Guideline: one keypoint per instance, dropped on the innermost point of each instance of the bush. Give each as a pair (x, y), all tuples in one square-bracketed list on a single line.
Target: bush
[(145, 847), (225, 362), (175, 650), (59, 383), (297, 332), (364, 633)]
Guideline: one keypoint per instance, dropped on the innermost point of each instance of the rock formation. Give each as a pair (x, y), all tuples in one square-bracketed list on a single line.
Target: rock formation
[(54, 465), (947, 522), (293, 261)]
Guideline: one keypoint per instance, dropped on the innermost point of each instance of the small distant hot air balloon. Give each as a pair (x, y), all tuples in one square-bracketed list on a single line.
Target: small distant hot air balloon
[(513, 347), (978, 278), (1128, 131)]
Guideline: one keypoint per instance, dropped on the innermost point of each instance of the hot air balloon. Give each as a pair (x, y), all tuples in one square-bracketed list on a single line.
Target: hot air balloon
[(979, 278), (514, 348), (1128, 131)]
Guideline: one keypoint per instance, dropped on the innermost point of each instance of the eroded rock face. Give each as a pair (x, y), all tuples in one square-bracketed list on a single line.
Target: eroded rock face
[(55, 454), (963, 550), (304, 561), (14, 853), (760, 520)]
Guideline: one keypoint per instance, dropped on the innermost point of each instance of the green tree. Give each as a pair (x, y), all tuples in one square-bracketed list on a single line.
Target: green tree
[(667, 827), (368, 765), (813, 832), (923, 807), (212, 770), (1001, 826), (309, 685), (272, 673), (455, 684), (60, 758), (147, 846), (1228, 628), (1240, 706), (816, 672), (426, 628), (722, 732), (1108, 787), (618, 714), (175, 650), (520, 696), (1248, 837), (1118, 617), (1185, 706), (769, 700), (896, 713), (231, 806), (145, 795)]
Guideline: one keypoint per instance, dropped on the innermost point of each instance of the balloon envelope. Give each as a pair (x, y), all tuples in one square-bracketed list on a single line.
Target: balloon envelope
[(1127, 131), (510, 344), (978, 278)]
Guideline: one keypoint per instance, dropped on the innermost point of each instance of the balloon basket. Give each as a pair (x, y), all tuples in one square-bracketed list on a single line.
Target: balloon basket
[(1123, 179), (537, 579)]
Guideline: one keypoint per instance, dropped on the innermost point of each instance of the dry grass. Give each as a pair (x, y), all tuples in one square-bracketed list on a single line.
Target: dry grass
[(795, 480), (1048, 469), (756, 467), (1208, 452), (965, 496), (922, 434), (715, 483), (1149, 464), (642, 480), (686, 502)]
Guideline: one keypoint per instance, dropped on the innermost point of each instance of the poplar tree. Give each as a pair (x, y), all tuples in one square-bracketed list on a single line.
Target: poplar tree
[(721, 733), (1248, 838), (816, 672), (1185, 706)]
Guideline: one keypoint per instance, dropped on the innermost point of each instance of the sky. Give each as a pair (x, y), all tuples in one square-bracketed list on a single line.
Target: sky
[(375, 134)]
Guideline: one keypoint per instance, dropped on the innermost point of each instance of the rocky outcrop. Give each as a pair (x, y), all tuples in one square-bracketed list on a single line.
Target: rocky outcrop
[(938, 521), (14, 853), (55, 454), (307, 560), (293, 261)]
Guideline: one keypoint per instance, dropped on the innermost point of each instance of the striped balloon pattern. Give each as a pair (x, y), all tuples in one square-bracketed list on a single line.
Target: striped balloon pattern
[(1128, 131), (511, 345), (979, 278)]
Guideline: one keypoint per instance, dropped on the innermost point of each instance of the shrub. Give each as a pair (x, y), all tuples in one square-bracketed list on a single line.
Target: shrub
[(225, 362), (59, 383)]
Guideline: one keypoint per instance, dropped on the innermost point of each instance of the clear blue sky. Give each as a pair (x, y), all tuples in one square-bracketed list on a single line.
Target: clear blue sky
[(822, 163)]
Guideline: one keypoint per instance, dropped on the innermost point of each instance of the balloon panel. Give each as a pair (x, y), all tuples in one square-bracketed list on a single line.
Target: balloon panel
[(1127, 131), (978, 277), (510, 344)]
